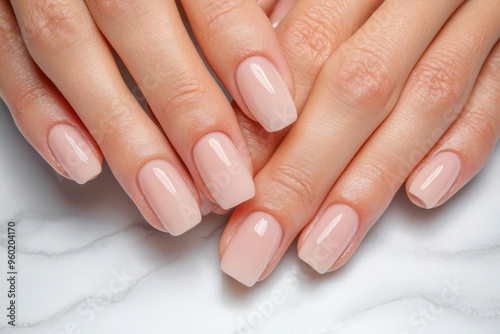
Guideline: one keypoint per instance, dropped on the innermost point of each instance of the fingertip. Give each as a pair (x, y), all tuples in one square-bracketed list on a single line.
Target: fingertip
[(73, 153), (169, 196), (332, 233), (252, 247), (415, 200), (435, 179), (266, 93), (223, 170)]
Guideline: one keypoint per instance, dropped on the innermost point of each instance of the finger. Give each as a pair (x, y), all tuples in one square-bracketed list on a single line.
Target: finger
[(187, 101), (40, 111), (312, 31), (252, 66), (356, 89), (466, 146), (433, 95), (64, 41), (309, 35)]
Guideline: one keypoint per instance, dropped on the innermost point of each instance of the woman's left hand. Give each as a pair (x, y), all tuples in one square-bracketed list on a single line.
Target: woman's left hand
[(414, 93)]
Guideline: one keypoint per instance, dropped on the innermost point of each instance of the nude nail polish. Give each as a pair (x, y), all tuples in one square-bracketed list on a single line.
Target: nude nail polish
[(206, 206), (169, 196), (251, 248), (73, 153), (436, 178), (223, 170), (329, 237), (280, 10), (266, 93)]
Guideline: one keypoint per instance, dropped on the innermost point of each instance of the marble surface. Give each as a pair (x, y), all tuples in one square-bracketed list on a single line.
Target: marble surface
[(88, 263)]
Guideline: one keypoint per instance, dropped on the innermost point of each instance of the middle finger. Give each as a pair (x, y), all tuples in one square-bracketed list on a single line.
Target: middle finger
[(151, 39)]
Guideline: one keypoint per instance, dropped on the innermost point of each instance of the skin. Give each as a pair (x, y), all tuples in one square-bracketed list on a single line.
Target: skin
[(353, 86), (376, 86), (58, 68)]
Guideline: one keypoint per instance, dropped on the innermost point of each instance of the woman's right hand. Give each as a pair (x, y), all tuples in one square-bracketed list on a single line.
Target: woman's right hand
[(59, 78)]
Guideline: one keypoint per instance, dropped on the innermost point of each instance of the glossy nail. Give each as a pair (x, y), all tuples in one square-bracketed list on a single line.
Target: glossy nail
[(73, 153), (265, 93), (206, 206), (280, 10), (223, 170), (329, 237), (252, 247), (169, 196), (436, 178)]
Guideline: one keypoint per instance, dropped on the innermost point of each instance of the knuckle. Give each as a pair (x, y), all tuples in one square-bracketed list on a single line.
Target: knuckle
[(118, 122), (27, 98), (311, 35), (55, 23), (184, 94), (438, 80), (372, 174), (217, 14), (364, 77), (482, 124), (293, 182)]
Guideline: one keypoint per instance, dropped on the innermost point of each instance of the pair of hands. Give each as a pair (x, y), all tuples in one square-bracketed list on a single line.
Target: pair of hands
[(388, 91)]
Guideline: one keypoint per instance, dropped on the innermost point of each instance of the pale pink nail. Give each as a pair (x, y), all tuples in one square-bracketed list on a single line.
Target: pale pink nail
[(435, 179), (73, 153), (252, 247), (280, 10), (206, 206), (169, 196), (265, 93), (329, 237), (223, 170)]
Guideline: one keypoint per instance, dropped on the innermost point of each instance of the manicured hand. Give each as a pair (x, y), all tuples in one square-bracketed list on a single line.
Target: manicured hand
[(61, 82), (413, 93)]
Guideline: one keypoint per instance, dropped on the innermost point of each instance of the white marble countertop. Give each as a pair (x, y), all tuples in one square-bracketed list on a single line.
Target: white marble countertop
[(88, 263)]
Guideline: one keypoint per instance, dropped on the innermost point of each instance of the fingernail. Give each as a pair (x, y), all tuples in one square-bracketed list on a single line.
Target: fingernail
[(206, 206), (329, 237), (435, 179), (223, 170), (252, 247), (265, 93), (169, 196), (73, 153), (280, 10)]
